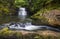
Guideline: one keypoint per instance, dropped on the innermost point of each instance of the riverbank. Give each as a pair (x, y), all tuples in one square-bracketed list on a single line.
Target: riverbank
[(46, 34)]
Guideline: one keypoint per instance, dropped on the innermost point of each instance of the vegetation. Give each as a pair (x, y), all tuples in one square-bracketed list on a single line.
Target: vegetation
[(36, 8), (8, 34), (9, 6), (36, 5), (6, 7)]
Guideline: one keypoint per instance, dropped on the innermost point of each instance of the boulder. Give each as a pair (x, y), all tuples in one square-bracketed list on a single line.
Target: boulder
[(51, 17)]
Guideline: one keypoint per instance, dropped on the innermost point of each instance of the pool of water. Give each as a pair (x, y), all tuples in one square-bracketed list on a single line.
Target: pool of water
[(7, 19)]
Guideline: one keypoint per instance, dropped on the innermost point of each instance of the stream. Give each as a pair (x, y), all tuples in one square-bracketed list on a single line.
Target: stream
[(19, 23)]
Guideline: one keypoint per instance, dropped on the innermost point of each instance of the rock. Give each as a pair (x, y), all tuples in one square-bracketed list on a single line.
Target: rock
[(51, 17), (43, 33)]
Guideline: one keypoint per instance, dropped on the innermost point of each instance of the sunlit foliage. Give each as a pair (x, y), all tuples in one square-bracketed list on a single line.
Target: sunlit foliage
[(6, 7)]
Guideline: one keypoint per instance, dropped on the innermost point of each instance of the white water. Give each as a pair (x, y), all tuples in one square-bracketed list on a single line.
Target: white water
[(22, 13), (27, 26), (31, 27)]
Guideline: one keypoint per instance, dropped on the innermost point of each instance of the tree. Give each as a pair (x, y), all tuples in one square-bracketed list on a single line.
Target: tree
[(6, 7)]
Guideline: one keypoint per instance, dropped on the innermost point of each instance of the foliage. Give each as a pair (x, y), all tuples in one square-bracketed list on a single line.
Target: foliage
[(39, 18), (46, 7), (36, 5), (6, 7), (19, 3)]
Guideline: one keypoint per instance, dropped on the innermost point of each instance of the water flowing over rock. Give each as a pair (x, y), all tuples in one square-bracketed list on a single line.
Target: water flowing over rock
[(27, 25), (22, 14)]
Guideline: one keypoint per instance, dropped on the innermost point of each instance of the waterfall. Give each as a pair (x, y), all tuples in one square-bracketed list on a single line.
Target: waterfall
[(22, 14), (26, 24)]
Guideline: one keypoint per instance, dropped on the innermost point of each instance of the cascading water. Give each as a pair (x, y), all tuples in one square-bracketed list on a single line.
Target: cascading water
[(27, 25), (22, 13)]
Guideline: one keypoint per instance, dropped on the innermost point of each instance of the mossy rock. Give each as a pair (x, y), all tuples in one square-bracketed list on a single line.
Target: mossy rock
[(51, 17)]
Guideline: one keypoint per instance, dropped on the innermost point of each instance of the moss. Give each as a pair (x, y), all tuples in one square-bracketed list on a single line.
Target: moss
[(9, 34)]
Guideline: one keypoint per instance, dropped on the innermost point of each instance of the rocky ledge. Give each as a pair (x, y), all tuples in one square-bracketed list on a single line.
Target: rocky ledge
[(51, 17)]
